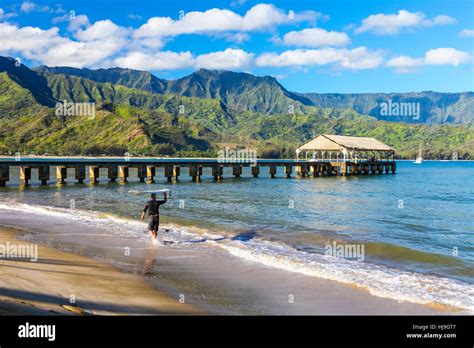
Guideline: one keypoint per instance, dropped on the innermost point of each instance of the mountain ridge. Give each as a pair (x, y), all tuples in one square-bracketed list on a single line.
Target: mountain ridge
[(143, 122), (241, 92)]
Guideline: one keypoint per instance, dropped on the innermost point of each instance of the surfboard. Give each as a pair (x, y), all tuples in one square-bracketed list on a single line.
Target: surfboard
[(144, 192)]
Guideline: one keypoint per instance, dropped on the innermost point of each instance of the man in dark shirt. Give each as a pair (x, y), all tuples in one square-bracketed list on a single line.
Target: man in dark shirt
[(153, 209)]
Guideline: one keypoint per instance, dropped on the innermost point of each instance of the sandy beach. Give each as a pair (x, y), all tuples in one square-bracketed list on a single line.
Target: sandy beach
[(45, 287)]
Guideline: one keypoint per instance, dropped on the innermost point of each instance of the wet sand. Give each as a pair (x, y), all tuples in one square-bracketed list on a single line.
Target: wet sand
[(154, 279), (46, 286)]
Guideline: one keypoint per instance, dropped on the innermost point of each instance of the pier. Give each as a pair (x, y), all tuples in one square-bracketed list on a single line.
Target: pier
[(325, 155), (174, 169)]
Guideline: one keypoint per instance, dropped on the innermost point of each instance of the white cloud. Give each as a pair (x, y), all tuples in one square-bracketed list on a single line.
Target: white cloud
[(165, 60), (78, 54), (50, 48), (4, 15), (28, 41), (78, 22), (438, 56), (390, 24), (134, 16), (355, 59), (102, 30), (230, 59), (259, 18), (404, 64), (446, 56), (315, 37), (29, 6), (466, 33)]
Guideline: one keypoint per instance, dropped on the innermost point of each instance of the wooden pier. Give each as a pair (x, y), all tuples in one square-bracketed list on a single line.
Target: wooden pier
[(325, 155), (118, 168)]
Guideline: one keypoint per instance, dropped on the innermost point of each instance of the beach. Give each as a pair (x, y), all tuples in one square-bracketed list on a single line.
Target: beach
[(46, 287)]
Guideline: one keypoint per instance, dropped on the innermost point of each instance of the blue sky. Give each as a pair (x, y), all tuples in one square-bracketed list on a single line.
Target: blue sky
[(310, 46)]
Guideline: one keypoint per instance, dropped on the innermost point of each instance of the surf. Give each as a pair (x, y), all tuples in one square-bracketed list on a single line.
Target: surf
[(378, 280)]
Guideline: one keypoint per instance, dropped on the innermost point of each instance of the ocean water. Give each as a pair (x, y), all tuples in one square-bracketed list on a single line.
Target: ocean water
[(414, 230)]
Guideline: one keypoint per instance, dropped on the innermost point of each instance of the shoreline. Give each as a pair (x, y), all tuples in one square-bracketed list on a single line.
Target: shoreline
[(249, 289), (48, 286)]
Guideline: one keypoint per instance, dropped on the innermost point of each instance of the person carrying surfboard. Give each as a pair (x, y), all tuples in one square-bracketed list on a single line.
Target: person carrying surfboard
[(153, 209)]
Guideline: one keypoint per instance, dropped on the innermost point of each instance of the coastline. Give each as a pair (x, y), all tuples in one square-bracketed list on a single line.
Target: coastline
[(250, 288), (45, 286)]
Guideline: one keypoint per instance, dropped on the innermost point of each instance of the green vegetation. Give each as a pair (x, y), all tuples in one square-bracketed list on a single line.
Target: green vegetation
[(194, 116)]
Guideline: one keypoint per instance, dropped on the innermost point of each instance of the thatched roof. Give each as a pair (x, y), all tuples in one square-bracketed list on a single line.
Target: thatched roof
[(325, 142)]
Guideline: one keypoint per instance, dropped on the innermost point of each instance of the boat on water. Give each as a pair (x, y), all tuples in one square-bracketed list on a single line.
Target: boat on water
[(419, 158)]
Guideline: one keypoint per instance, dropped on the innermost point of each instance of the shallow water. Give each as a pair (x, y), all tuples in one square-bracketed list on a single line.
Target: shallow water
[(416, 227)]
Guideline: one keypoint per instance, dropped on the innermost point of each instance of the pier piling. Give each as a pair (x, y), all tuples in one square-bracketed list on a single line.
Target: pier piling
[(61, 174), (80, 174), (150, 174), (195, 172), (94, 174), (169, 173), (256, 171), (272, 170), (142, 171), (43, 174), (25, 174), (112, 173), (4, 175), (237, 170), (123, 173), (217, 172)]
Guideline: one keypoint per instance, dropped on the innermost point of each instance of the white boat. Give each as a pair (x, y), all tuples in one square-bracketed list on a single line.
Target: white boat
[(419, 158)]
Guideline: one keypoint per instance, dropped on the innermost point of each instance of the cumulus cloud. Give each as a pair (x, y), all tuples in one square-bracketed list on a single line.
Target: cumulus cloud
[(101, 30), (315, 37), (404, 64), (104, 43), (28, 41), (233, 59), (438, 56), (29, 6), (165, 60), (390, 24), (355, 59), (50, 48), (77, 22), (259, 18), (466, 33)]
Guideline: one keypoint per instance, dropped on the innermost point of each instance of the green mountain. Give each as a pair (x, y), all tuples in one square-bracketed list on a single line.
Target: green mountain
[(141, 80), (192, 116), (29, 79), (241, 92), (434, 107), (237, 91)]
